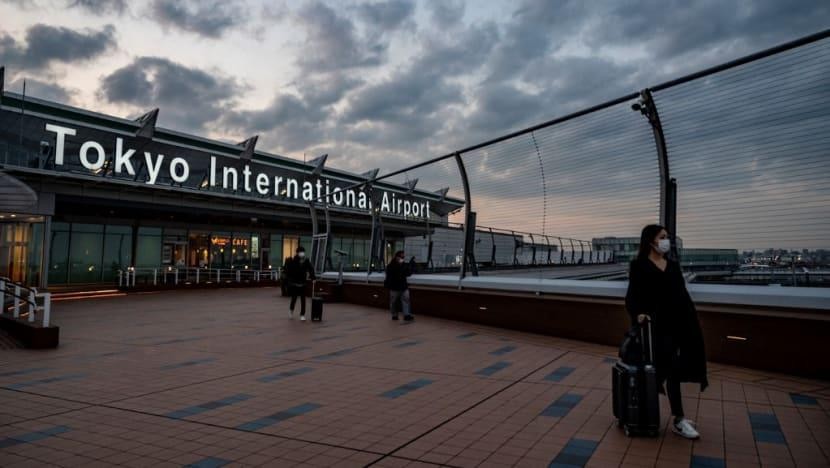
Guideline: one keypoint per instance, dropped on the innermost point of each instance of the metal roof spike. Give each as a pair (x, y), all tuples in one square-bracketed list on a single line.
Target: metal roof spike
[(410, 185), (318, 164), (148, 124), (250, 147), (371, 174)]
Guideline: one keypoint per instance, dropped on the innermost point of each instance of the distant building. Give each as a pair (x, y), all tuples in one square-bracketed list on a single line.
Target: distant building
[(625, 249)]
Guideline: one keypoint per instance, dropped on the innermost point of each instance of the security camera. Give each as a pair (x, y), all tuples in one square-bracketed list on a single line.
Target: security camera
[(45, 148), (636, 106)]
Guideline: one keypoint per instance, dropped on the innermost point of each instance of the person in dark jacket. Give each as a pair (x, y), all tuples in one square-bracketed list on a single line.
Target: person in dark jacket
[(396, 274), (297, 270), (657, 292)]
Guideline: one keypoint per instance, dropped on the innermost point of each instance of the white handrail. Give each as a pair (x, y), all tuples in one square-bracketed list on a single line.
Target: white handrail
[(170, 274)]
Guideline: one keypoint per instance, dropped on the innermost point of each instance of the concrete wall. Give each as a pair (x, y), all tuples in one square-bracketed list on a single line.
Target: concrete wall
[(787, 340)]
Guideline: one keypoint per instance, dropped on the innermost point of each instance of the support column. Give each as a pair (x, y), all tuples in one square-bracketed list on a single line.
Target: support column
[(668, 186)]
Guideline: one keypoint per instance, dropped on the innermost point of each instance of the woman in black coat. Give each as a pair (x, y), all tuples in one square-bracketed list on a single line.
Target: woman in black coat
[(657, 292)]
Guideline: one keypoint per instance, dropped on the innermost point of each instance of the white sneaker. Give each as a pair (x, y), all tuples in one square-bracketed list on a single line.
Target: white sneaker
[(684, 428), (302, 318)]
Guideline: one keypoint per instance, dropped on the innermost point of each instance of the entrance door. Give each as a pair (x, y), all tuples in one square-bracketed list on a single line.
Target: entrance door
[(289, 246), (21, 243), (198, 250)]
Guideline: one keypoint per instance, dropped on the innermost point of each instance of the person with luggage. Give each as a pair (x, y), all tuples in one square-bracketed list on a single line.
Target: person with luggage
[(657, 295), (297, 271), (396, 283)]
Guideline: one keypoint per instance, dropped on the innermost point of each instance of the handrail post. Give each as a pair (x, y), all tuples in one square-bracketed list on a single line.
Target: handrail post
[(47, 308), (16, 301), (197, 275), (32, 305), (119, 279), (155, 276), (176, 277), (133, 283), (2, 296)]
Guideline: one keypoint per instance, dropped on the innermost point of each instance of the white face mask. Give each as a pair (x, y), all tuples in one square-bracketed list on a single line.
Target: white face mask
[(663, 245), (301, 254)]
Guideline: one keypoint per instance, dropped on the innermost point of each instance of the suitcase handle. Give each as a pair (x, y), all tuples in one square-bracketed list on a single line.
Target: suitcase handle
[(650, 345)]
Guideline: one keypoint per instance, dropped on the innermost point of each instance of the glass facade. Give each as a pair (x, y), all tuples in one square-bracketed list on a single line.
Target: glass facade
[(118, 244), (148, 248), (88, 253), (59, 249), (92, 253), (86, 249)]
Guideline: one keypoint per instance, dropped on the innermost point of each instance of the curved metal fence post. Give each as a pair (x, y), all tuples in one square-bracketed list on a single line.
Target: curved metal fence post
[(573, 251), (561, 251), (429, 246), (668, 186), (547, 242), (515, 248), (467, 254), (493, 249), (532, 249)]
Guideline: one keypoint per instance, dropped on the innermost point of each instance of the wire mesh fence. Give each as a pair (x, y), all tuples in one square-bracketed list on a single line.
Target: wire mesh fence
[(747, 143)]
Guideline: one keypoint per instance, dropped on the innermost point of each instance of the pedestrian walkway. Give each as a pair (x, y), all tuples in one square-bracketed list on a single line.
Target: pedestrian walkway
[(224, 378)]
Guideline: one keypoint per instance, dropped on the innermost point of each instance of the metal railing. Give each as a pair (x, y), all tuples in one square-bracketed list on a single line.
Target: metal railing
[(18, 296), (732, 157), (174, 276)]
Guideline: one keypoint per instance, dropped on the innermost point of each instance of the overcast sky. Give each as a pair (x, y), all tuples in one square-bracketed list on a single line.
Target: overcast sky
[(377, 83)]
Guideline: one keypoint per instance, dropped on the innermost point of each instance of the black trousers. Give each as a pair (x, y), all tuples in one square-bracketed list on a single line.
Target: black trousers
[(297, 291), (675, 401)]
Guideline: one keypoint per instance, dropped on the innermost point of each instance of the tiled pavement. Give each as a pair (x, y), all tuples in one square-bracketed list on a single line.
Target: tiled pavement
[(223, 378)]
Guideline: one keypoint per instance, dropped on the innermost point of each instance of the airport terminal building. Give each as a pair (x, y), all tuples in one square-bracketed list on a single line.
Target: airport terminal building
[(88, 195)]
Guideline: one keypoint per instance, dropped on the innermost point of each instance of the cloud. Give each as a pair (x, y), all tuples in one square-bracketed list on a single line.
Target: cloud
[(209, 18), (99, 7), (297, 120), (47, 44), (42, 90), (333, 43), (22, 4), (446, 13), (536, 30), (387, 15), (413, 102), (188, 97)]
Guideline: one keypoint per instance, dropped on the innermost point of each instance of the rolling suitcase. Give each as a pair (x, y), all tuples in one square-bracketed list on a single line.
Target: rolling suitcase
[(634, 394), (316, 305)]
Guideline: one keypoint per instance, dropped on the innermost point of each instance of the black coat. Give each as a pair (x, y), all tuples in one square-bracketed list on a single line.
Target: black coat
[(297, 270), (678, 339), (396, 274)]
